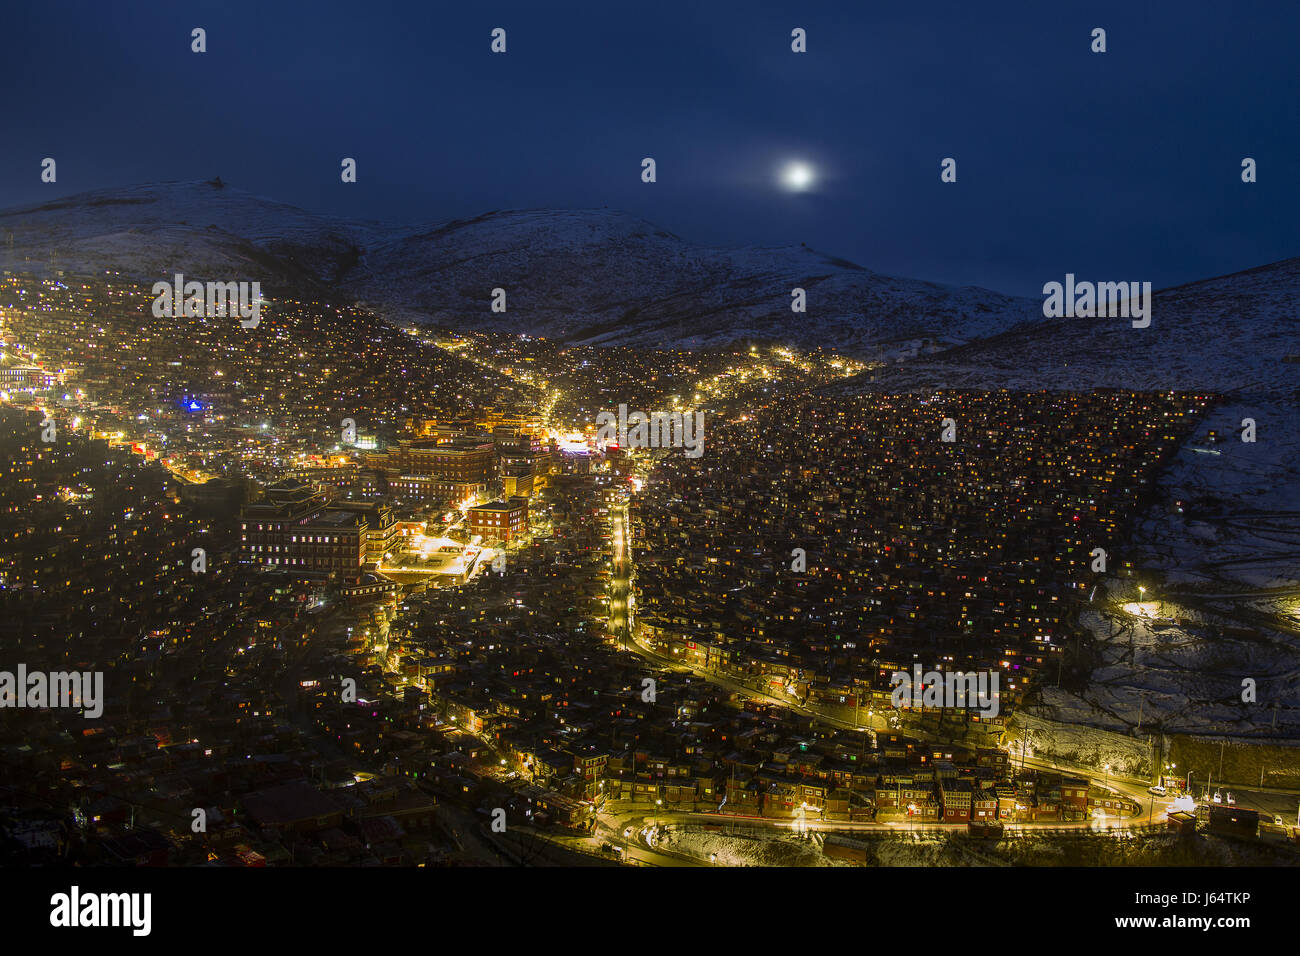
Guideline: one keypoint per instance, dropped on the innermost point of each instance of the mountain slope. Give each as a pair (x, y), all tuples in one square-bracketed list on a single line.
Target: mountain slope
[(201, 229), (1232, 333), (592, 276), (606, 278)]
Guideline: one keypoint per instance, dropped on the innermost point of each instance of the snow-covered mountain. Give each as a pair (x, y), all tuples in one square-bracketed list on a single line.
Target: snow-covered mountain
[(593, 276), (1231, 334), (204, 230), (603, 277)]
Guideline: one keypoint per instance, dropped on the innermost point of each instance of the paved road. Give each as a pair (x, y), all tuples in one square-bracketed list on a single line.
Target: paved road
[(639, 818)]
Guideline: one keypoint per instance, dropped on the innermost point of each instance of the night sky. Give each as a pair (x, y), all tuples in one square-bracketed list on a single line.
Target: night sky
[(1118, 166)]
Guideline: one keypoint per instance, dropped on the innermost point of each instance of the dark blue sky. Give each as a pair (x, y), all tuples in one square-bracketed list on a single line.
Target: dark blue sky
[(1116, 166)]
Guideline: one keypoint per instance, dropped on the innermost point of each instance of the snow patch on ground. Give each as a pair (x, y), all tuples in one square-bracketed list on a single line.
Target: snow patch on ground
[(783, 849)]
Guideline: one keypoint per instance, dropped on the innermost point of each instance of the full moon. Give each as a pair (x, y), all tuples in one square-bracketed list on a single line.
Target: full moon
[(797, 176)]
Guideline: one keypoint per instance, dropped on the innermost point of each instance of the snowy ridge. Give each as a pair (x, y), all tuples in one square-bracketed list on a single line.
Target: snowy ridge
[(593, 276), (602, 277), (198, 228), (1231, 334)]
